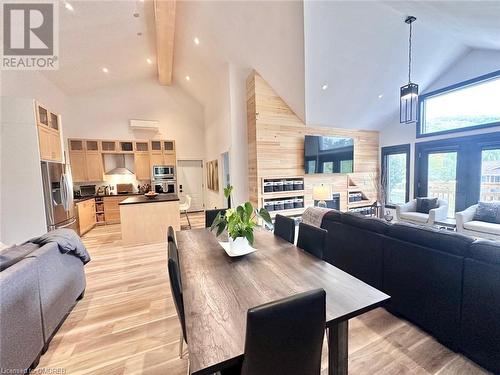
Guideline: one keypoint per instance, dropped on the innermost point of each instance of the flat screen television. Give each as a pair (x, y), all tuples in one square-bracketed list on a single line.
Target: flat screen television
[(328, 154)]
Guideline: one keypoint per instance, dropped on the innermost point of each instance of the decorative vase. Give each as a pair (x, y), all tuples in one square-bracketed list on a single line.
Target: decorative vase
[(240, 245)]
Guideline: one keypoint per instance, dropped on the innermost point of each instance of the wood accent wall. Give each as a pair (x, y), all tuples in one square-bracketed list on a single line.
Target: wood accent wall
[(276, 145)]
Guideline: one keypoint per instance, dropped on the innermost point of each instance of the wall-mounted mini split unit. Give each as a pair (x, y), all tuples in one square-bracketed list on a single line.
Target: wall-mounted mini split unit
[(148, 125)]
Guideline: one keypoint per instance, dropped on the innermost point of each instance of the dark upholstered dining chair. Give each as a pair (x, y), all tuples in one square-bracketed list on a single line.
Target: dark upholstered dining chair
[(284, 337), (176, 289), (284, 227), (210, 216), (311, 239)]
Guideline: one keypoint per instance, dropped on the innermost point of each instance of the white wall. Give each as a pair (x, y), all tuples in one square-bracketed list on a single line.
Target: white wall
[(239, 137), (472, 65), (22, 212), (105, 114), (218, 135)]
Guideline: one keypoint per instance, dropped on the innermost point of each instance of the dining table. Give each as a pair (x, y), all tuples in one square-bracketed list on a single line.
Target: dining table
[(218, 290)]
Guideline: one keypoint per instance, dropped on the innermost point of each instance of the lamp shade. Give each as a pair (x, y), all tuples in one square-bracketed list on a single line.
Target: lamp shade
[(322, 192)]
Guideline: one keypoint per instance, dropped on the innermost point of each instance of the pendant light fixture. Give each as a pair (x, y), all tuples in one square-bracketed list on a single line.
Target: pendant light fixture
[(408, 94)]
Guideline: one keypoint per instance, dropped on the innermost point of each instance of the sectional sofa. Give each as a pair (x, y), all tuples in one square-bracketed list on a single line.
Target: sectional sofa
[(37, 291), (444, 282)]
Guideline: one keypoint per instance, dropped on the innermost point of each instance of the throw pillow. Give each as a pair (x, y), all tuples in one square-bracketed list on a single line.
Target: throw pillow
[(424, 205), (488, 212)]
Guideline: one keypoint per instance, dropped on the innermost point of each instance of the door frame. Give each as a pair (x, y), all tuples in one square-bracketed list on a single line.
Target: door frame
[(203, 195)]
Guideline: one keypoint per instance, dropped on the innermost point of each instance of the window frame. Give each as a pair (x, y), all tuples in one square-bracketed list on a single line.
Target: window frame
[(422, 98), (396, 150)]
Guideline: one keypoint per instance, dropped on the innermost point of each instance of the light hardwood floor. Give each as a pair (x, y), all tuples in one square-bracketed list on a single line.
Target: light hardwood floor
[(127, 324)]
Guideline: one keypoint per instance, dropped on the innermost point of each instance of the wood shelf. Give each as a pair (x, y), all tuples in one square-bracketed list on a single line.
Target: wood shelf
[(282, 194), (291, 211)]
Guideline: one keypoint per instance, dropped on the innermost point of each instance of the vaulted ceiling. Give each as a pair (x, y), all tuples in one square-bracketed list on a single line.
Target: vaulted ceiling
[(357, 48)]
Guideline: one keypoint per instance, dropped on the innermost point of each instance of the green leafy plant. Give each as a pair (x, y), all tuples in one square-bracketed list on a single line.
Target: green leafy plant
[(239, 221)]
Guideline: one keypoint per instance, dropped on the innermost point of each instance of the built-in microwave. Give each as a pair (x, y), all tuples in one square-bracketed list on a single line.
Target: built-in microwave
[(162, 172)]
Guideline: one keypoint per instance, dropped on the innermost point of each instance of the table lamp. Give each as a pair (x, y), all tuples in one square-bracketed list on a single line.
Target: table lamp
[(322, 193)]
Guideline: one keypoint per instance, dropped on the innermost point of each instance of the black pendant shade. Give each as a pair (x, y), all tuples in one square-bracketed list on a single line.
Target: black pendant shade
[(408, 103)]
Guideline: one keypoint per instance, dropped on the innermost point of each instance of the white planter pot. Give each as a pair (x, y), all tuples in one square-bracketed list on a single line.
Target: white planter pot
[(239, 246)]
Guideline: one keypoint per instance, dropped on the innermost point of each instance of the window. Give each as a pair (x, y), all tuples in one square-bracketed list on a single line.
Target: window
[(490, 175), (466, 105), (461, 171), (396, 174)]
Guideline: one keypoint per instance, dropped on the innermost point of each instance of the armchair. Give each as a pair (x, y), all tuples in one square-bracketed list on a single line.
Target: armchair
[(475, 228), (408, 212)]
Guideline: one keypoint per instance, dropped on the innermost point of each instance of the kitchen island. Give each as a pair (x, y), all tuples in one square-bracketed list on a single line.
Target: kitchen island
[(145, 220)]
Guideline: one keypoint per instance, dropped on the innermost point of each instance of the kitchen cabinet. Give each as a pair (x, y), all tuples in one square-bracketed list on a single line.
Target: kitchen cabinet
[(44, 142), (169, 147), (86, 160), (49, 136), (142, 147), (155, 159), (169, 159), (108, 146), (126, 146), (86, 215), (78, 166), (112, 208), (142, 167), (94, 165)]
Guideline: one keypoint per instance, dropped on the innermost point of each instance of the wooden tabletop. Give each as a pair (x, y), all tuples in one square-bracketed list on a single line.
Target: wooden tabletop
[(219, 290)]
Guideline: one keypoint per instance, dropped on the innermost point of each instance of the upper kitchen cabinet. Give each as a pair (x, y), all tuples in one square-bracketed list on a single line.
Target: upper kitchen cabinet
[(169, 147), (49, 136), (86, 160), (126, 146), (141, 146), (42, 115), (109, 146), (156, 147), (142, 166)]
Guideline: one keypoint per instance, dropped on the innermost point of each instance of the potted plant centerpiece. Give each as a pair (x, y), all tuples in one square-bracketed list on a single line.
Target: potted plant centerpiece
[(239, 223)]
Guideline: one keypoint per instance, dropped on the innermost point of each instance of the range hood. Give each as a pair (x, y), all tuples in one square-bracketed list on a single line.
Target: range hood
[(120, 167)]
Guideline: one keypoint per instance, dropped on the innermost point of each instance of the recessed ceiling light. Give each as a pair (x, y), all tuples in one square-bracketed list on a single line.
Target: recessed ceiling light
[(68, 6), (380, 96), (188, 78), (105, 70), (136, 15), (196, 41), (324, 87), (149, 61), (139, 34)]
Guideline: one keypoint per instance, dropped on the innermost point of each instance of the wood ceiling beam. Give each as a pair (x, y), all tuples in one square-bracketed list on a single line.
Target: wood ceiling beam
[(165, 30)]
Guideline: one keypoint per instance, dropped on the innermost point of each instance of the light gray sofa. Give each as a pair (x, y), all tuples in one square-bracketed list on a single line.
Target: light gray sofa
[(475, 228), (408, 212), (36, 295)]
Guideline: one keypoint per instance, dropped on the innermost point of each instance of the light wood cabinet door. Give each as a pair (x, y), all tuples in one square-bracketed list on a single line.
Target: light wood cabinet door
[(78, 166), (156, 159), (169, 147), (42, 115), (112, 209), (142, 168), (169, 159), (55, 146), (95, 169), (44, 141), (86, 215)]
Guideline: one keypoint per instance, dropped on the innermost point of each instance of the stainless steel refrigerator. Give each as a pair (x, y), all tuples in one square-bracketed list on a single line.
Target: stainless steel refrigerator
[(58, 196)]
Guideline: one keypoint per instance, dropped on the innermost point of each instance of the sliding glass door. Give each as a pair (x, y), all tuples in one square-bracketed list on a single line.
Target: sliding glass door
[(462, 171), (442, 178), (490, 175)]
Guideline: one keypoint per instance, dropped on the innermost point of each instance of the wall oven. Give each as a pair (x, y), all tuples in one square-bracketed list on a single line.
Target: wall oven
[(161, 172), (164, 187)]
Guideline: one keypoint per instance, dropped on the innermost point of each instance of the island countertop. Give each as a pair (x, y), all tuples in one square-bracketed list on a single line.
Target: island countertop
[(142, 199)]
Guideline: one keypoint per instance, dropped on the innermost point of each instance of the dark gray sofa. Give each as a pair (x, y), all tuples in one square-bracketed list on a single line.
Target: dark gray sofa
[(444, 282), (36, 293)]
